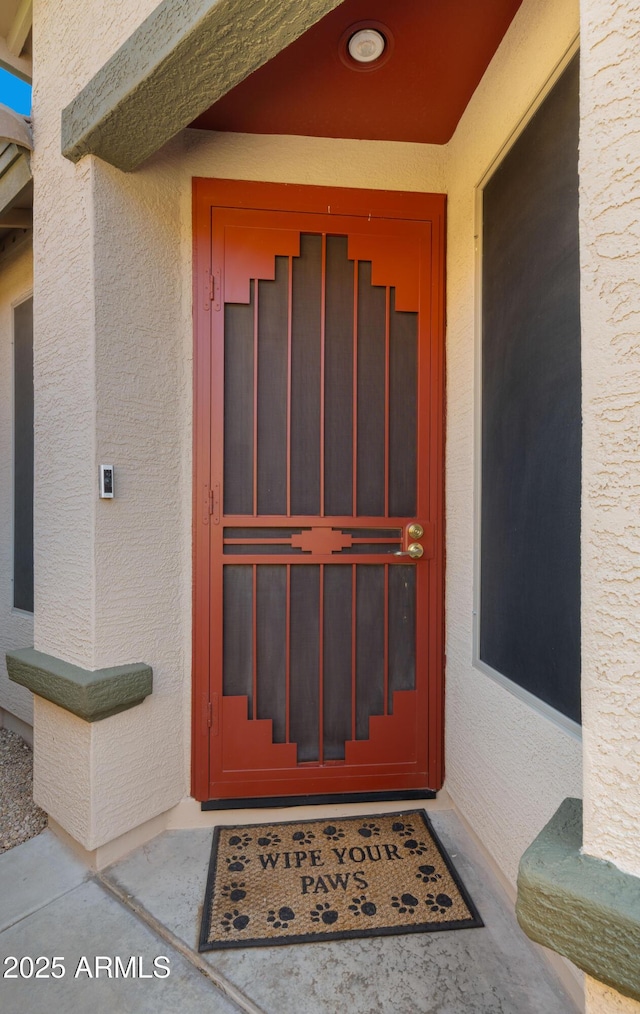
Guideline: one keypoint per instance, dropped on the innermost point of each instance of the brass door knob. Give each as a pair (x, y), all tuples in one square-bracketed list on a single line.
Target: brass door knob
[(415, 531), (415, 551)]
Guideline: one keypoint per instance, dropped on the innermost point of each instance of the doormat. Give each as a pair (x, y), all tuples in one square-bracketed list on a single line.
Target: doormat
[(301, 881)]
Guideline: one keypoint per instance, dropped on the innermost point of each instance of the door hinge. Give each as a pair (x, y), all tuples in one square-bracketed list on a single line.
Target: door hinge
[(213, 286), (213, 713), (206, 505), (211, 504)]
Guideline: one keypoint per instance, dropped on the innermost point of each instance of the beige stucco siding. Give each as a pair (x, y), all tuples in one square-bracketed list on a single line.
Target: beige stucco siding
[(610, 224), (16, 627), (112, 584), (610, 293), (113, 383), (508, 766)]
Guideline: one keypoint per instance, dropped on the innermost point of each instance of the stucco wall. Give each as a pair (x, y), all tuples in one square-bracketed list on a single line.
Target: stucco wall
[(16, 627), (64, 357), (113, 383), (600, 999), (610, 294), (113, 577), (508, 766), (610, 224)]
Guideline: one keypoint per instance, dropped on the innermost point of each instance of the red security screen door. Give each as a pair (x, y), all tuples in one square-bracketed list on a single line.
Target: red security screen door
[(318, 490)]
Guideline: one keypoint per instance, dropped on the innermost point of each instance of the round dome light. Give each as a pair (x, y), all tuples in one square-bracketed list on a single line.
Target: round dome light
[(366, 45)]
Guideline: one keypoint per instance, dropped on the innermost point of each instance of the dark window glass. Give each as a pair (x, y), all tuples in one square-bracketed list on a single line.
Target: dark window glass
[(23, 457), (531, 424)]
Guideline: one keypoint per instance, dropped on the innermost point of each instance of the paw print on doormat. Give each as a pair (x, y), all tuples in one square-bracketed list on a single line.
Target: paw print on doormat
[(236, 864), (405, 903), (269, 839), (324, 911), (362, 907), (233, 920), (404, 830), (415, 848), (333, 833), (234, 891), (369, 829), (302, 837), (427, 874), (240, 840), (438, 902), (281, 918)]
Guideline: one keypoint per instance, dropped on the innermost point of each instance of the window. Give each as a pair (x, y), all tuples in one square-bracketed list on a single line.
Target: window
[(531, 423), (23, 456)]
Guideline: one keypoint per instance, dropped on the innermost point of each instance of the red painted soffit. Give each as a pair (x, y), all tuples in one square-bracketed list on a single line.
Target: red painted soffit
[(440, 50)]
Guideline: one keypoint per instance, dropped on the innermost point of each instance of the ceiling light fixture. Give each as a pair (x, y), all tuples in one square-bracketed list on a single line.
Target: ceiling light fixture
[(366, 45)]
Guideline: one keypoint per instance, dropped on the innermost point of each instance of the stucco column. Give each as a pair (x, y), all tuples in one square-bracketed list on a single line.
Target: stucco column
[(112, 335), (610, 253)]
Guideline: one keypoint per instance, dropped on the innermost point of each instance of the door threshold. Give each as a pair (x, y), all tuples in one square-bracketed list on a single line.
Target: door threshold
[(264, 802)]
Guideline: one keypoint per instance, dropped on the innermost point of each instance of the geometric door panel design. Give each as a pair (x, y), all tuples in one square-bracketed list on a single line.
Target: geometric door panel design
[(323, 410)]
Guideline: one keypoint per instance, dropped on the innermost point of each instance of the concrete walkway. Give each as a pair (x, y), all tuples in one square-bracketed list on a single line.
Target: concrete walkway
[(147, 907)]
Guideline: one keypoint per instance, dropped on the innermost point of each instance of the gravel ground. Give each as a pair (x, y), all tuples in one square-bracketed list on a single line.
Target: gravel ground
[(20, 818)]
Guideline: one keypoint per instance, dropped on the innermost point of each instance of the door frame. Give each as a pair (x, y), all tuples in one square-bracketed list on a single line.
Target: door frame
[(372, 204)]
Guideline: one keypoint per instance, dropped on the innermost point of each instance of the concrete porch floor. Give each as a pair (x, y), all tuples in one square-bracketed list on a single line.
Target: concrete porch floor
[(148, 904)]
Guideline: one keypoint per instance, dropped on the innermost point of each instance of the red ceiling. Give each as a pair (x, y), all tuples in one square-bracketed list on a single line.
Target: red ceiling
[(441, 49)]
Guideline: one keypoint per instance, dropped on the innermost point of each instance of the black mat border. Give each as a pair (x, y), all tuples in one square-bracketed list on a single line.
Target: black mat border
[(475, 922)]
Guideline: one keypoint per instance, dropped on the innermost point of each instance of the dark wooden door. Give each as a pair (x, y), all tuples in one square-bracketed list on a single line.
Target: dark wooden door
[(318, 491)]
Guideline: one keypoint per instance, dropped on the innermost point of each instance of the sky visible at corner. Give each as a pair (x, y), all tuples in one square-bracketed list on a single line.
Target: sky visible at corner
[(15, 93)]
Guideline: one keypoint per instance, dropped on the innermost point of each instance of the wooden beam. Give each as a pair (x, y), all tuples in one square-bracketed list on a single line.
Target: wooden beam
[(13, 181), (173, 67), (17, 218), (14, 129), (20, 27), (21, 66)]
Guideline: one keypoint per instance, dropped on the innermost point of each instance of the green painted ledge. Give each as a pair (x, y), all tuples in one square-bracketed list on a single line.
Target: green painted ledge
[(582, 907), (89, 695)]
